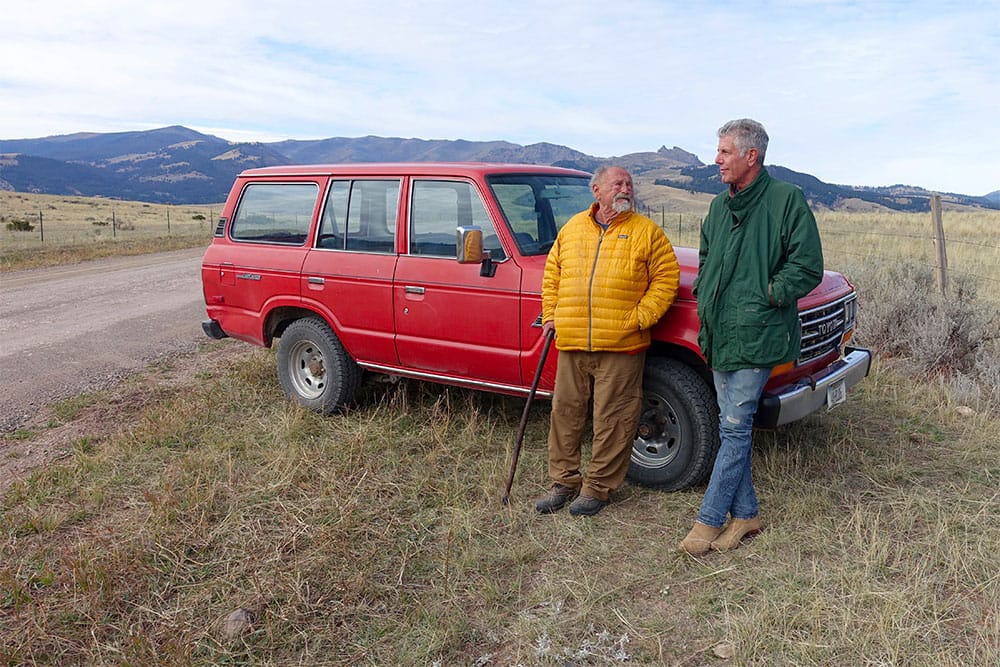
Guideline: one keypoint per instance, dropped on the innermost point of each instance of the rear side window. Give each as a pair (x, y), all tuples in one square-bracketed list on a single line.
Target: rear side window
[(275, 213), (360, 216), (438, 208)]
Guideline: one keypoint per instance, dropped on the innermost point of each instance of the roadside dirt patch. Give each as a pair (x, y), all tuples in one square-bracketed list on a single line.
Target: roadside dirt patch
[(48, 437), (81, 327)]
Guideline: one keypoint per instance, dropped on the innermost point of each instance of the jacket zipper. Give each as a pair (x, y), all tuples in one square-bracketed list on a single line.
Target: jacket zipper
[(590, 293)]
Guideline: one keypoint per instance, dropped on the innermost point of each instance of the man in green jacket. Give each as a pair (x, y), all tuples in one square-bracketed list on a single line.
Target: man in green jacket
[(760, 253)]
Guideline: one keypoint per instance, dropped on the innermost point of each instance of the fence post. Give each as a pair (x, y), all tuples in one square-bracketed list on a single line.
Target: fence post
[(941, 254), (168, 222), (114, 224), (41, 228)]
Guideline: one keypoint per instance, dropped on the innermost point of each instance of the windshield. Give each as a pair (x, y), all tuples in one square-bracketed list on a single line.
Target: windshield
[(536, 206)]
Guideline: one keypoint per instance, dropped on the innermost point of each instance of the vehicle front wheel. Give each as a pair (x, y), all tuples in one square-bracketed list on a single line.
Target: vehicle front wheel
[(678, 433), (314, 369)]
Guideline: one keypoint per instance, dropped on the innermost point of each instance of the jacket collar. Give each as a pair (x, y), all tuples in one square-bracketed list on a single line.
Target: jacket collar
[(748, 196), (616, 220)]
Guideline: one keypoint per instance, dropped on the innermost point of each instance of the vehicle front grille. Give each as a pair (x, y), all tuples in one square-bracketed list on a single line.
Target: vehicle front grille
[(823, 327)]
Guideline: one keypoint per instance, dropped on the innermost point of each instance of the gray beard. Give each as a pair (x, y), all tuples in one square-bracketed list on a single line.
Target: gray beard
[(621, 205)]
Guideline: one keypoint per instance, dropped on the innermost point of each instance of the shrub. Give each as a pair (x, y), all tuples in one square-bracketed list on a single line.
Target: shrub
[(903, 316), (20, 226)]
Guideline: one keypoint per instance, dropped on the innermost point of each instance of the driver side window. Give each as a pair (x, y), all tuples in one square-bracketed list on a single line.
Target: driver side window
[(438, 208)]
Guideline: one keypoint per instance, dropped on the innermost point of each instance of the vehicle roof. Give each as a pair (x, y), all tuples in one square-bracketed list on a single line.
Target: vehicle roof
[(414, 168)]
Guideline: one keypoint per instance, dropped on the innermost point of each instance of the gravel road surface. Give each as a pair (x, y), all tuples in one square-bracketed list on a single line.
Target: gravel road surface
[(83, 327)]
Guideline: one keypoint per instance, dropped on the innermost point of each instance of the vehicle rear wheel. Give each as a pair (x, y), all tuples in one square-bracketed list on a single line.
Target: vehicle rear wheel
[(678, 433), (314, 369)]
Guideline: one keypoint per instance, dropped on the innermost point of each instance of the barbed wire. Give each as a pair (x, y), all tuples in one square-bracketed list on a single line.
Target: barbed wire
[(951, 270), (696, 220), (867, 232), (948, 239), (972, 243), (673, 221)]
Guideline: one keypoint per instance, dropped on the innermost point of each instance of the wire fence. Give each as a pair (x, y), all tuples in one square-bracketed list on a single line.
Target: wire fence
[(971, 238), (971, 241), (37, 221)]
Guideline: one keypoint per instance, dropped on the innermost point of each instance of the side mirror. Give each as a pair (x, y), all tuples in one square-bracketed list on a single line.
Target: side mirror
[(469, 250), (469, 245)]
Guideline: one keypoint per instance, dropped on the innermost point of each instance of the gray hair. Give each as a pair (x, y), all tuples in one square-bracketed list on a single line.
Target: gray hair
[(746, 134), (599, 173)]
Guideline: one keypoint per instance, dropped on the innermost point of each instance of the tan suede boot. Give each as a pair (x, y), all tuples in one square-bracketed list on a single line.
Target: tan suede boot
[(736, 531), (699, 540)]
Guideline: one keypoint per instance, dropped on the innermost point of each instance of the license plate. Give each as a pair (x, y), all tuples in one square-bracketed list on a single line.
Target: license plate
[(836, 394)]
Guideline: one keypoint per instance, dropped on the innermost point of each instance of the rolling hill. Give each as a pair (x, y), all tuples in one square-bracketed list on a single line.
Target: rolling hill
[(178, 165)]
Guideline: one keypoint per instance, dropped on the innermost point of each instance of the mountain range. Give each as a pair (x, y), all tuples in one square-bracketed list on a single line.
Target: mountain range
[(178, 165)]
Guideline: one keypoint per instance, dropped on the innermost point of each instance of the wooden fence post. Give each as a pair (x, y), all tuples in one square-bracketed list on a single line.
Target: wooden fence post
[(941, 261)]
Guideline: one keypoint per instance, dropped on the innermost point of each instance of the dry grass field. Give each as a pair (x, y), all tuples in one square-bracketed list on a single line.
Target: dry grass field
[(377, 537), (205, 521), (862, 237), (972, 241), (71, 229)]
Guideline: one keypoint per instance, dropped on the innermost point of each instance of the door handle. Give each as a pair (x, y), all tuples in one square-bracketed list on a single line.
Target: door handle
[(312, 280), (412, 289)]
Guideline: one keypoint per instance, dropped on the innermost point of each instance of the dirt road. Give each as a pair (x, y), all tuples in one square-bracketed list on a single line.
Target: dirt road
[(77, 328)]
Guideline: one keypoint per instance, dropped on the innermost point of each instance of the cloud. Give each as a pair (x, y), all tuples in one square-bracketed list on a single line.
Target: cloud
[(859, 93)]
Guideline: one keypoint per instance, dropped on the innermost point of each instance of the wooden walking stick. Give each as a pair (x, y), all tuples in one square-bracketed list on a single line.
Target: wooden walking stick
[(524, 415)]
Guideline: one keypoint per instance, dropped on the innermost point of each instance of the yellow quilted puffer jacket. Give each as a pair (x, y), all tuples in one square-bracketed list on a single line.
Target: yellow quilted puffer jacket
[(605, 289)]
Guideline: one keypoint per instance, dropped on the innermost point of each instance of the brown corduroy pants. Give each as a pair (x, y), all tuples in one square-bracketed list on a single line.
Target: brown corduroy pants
[(614, 381)]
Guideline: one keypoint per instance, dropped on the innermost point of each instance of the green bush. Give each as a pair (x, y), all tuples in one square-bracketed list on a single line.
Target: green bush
[(20, 226), (904, 317)]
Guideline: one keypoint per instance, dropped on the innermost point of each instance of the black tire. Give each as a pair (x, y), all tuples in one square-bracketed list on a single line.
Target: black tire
[(678, 434), (314, 369)]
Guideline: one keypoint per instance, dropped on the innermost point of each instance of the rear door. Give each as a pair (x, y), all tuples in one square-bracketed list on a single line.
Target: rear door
[(348, 274), (450, 320)]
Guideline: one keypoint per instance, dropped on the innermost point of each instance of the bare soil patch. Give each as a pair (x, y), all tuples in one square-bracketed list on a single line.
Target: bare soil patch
[(49, 436)]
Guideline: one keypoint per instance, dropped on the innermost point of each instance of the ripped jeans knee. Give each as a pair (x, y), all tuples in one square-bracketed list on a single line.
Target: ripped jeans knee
[(730, 489)]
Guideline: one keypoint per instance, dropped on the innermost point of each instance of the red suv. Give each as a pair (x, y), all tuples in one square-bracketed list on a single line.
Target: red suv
[(433, 271)]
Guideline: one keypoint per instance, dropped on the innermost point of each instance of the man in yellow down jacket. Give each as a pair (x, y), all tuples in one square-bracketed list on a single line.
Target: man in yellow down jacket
[(610, 276)]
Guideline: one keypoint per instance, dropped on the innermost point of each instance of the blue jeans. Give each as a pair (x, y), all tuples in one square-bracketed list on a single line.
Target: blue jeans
[(730, 488)]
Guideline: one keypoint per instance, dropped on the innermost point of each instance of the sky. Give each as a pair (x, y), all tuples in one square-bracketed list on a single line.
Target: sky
[(852, 92)]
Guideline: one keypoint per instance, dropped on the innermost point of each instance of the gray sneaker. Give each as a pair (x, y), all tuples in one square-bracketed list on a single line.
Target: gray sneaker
[(587, 505), (557, 496)]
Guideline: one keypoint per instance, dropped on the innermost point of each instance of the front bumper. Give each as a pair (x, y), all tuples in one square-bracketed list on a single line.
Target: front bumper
[(795, 401)]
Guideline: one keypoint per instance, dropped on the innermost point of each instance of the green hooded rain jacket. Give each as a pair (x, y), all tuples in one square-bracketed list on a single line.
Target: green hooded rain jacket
[(760, 253)]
